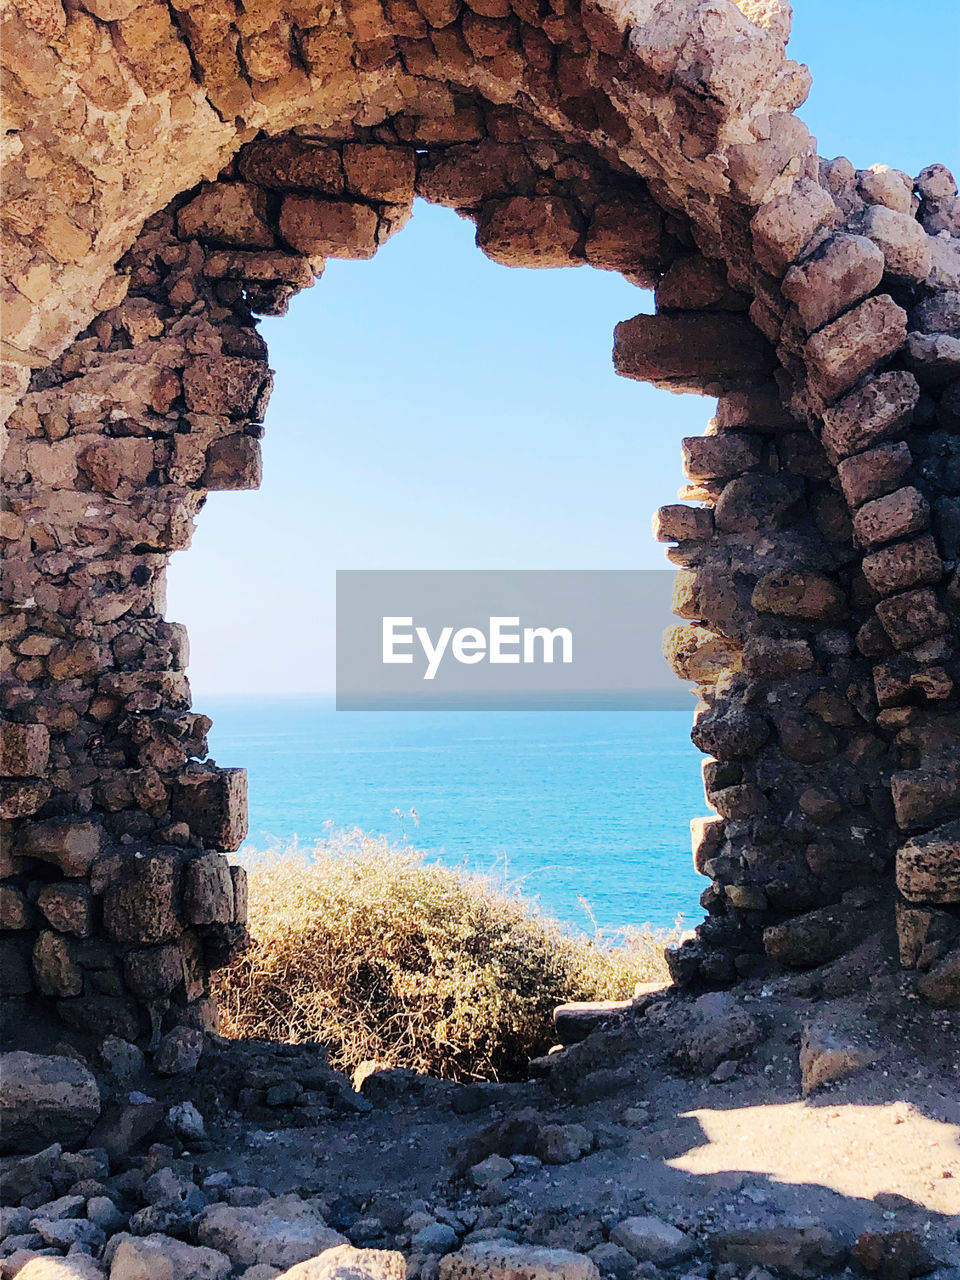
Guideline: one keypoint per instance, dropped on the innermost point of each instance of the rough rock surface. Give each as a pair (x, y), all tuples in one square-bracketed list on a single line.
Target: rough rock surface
[(45, 1099)]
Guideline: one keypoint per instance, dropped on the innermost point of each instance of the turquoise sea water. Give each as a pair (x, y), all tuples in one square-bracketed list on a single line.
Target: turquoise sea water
[(575, 805)]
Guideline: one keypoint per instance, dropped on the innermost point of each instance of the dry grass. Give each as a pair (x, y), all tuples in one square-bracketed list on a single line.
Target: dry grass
[(383, 956)]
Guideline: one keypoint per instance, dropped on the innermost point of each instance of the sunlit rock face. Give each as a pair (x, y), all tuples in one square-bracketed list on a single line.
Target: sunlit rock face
[(173, 172)]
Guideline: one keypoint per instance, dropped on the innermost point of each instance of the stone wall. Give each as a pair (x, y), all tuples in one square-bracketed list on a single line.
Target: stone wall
[(820, 531)]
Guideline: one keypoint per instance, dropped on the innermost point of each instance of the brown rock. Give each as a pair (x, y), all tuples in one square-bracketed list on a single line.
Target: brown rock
[(926, 796), (895, 515), (525, 232), (71, 846), (831, 1049), (892, 1255), (24, 749), (843, 351), (344, 1262), (873, 412), (928, 866), (695, 283), (329, 228), (154, 971), (230, 213), (810, 940), (626, 235), (874, 473), (680, 523), (802, 595), (233, 462), (68, 908), (912, 617), (141, 908), (907, 564), (223, 386), (941, 986), (292, 163), (208, 890), (902, 240), (690, 350), (213, 804), (785, 225), (806, 1252), (54, 966), (379, 172), (841, 271), (718, 457)]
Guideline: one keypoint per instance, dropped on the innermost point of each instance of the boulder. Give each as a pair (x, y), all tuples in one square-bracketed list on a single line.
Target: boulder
[(45, 1099), (831, 1049), (713, 1029), (344, 1262), (160, 1257), (652, 1240), (280, 1232), (504, 1260), (78, 1266), (892, 1255), (803, 1251)]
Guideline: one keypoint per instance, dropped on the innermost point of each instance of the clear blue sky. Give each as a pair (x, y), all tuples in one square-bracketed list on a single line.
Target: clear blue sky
[(434, 410)]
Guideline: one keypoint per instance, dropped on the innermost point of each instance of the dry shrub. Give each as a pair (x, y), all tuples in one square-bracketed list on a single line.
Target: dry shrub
[(382, 956)]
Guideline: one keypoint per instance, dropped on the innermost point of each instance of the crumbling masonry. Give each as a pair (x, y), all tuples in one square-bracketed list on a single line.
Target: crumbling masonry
[(174, 169)]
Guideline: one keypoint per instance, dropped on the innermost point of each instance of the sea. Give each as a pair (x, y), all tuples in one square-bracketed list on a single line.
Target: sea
[(587, 812)]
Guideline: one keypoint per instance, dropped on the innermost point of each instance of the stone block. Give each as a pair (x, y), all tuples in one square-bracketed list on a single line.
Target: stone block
[(240, 894), (15, 911), (690, 350), (809, 940), (505, 1260), (912, 617), (233, 462), (873, 473), (24, 750), (208, 890), (904, 565), (223, 386), (697, 653), (881, 408), (941, 986), (895, 515), (213, 804), (756, 503), (55, 969), (839, 273), (71, 846), (291, 163), (68, 908), (228, 213), (934, 358), (19, 798), (721, 456), (801, 595), (844, 350), (142, 906), (524, 231), (695, 283), (926, 796), (329, 228), (153, 972), (680, 523), (379, 172), (156, 1257), (45, 1099), (783, 227), (730, 732), (706, 837), (928, 866), (902, 241)]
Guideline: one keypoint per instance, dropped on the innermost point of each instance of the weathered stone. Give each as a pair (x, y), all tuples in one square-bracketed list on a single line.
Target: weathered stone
[(928, 866), (809, 596), (44, 1100), (142, 907), (71, 846), (379, 172), (345, 1262), (213, 804), (179, 1052), (124, 1125), (874, 473), (153, 972), (68, 908), (292, 163), (753, 503), (906, 564), (652, 1240), (279, 1232), (941, 986), (842, 271), (161, 1257), (831, 1049), (524, 232), (902, 240), (503, 1260), (227, 213), (730, 732), (696, 653), (329, 228), (690, 350), (844, 350), (717, 457), (24, 749), (680, 523), (873, 412), (55, 969), (716, 1027), (225, 386), (807, 1252), (785, 225), (912, 617), (812, 939), (892, 1255), (695, 283), (895, 515)]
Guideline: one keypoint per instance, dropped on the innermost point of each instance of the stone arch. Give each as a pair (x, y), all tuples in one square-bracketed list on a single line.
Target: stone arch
[(179, 169)]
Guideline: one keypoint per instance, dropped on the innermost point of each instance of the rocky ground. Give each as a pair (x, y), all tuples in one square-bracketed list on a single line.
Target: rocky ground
[(803, 1126)]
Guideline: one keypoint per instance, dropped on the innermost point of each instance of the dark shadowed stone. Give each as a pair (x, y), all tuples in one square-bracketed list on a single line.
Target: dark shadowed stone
[(45, 1099), (813, 939)]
